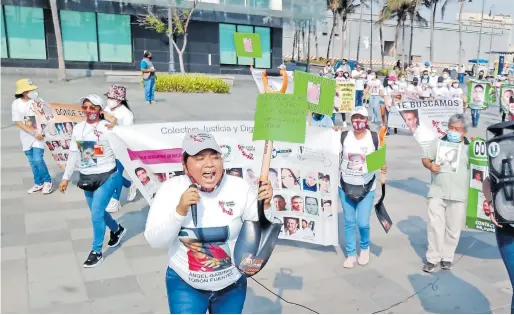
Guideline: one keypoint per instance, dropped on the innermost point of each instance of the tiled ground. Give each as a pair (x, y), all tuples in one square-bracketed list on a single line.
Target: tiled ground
[(45, 239)]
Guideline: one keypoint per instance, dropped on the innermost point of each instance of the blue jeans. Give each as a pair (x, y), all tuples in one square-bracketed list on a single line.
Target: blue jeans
[(359, 95), (475, 116), (38, 165), (356, 213), (97, 202), (149, 89), (122, 181), (505, 239), (184, 299), (374, 103)]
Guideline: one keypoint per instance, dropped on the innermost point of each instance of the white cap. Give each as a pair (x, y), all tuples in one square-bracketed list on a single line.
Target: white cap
[(95, 99), (360, 110)]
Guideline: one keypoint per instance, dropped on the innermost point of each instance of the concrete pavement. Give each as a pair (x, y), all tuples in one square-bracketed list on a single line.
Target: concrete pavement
[(45, 239)]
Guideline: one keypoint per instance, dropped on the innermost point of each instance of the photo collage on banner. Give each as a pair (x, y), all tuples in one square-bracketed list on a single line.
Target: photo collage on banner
[(395, 120), (303, 175), (56, 122)]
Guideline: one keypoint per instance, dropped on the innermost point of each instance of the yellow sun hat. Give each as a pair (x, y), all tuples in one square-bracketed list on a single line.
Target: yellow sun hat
[(24, 85)]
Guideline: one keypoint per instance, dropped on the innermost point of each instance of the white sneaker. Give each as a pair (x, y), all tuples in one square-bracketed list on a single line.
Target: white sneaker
[(132, 192), (35, 189), (48, 188), (345, 125), (113, 206), (364, 257), (350, 262)]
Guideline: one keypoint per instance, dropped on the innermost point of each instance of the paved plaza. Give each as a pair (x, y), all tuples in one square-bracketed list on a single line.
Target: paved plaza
[(45, 239)]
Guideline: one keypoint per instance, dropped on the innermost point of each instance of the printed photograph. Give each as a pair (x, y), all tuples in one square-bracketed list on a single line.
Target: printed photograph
[(326, 206), (30, 121), (411, 118), (64, 144), (506, 95), (60, 129), (43, 129), (235, 172), (478, 93), (308, 228), (292, 226), (248, 45), (311, 206), (151, 185), (68, 128), (313, 91), (480, 207), (310, 181), (50, 130), (251, 177), (55, 157), (56, 144), (208, 257), (61, 157), (356, 162), (297, 204), (273, 178), (448, 156), (177, 173), (290, 178), (49, 145), (87, 150), (477, 177), (161, 177), (324, 183), (280, 203), (66, 156)]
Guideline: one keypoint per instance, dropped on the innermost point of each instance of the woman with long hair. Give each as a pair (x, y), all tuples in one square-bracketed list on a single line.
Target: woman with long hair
[(149, 78)]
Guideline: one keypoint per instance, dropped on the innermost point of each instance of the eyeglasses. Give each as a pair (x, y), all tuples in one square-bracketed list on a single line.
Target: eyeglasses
[(90, 108)]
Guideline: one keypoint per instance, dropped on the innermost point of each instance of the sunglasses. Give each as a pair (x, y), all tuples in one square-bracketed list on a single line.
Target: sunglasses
[(90, 108)]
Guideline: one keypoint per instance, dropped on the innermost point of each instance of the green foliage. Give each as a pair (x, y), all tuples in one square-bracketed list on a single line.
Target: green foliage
[(383, 72), (156, 23), (190, 83)]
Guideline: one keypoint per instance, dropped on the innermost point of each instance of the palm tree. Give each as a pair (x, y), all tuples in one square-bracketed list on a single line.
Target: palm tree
[(334, 7), (415, 17), (433, 4), (443, 10), (61, 74), (346, 8), (381, 34), (398, 10)]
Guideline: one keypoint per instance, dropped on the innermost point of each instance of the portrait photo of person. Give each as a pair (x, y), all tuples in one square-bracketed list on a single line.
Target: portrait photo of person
[(248, 44), (324, 183), (66, 156), (56, 144), (477, 96), (290, 178), (327, 207), (251, 178), (311, 206), (68, 128), (291, 226), (43, 129), (447, 157), (235, 172), (297, 204), (49, 145), (55, 157), (161, 177), (87, 153), (273, 178), (150, 184), (313, 92), (356, 162), (411, 118), (279, 203), (477, 178), (307, 228), (64, 144), (60, 129), (310, 181), (61, 157)]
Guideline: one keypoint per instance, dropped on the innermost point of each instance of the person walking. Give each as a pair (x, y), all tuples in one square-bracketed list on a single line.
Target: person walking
[(32, 141), (203, 248), (376, 92), (117, 107), (92, 153), (359, 76), (357, 185), (447, 196), (149, 77)]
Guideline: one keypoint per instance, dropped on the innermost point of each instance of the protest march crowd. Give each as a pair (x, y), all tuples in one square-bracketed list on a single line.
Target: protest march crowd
[(200, 210)]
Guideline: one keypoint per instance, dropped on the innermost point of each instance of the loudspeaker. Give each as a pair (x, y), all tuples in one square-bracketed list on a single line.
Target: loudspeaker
[(500, 155)]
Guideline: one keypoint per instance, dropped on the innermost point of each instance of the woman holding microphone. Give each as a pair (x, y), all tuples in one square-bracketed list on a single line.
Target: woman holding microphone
[(201, 275)]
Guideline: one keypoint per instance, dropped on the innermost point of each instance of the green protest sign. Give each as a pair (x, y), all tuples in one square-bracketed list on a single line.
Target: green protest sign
[(248, 45), (506, 92), (479, 93), (280, 117), (475, 216), (376, 160), (317, 90)]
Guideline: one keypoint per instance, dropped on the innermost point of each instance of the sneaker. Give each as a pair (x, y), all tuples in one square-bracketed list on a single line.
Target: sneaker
[(35, 189), (350, 262), (446, 265), (48, 188), (429, 267), (93, 259), (364, 257), (113, 206), (132, 192), (117, 236), (148, 102)]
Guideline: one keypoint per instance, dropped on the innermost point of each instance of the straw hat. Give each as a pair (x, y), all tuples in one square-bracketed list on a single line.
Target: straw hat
[(24, 85)]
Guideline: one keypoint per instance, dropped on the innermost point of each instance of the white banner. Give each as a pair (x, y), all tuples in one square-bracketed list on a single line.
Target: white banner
[(304, 176), (275, 83)]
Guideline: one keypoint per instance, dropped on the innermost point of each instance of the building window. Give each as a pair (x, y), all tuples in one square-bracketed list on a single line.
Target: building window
[(114, 37), (4, 40), (79, 35), (265, 61), (227, 45), (25, 33), (389, 49), (246, 61)]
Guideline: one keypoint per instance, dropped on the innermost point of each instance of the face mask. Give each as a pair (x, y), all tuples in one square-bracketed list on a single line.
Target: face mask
[(390, 82), (402, 79), (455, 86), (92, 117), (112, 103), (445, 76), (360, 125), (481, 76), (33, 95), (439, 85), (453, 136)]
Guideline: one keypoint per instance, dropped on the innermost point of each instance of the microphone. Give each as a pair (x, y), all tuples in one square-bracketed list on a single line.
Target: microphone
[(194, 211)]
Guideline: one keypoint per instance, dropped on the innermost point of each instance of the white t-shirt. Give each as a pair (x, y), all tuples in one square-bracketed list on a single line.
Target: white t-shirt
[(89, 141), (375, 86), (325, 122), (359, 81), (455, 92), (124, 117), (424, 90), (202, 256), (442, 92), (24, 112), (354, 169), (402, 86)]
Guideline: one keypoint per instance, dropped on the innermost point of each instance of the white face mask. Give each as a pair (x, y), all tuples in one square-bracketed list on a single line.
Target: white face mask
[(439, 84), (455, 86), (402, 79), (33, 95), (111, 103), (445, 76)]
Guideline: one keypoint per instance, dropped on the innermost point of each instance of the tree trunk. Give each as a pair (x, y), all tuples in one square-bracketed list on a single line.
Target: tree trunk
[(360, 33), (171, 65), (316, 41), (334, 15), (298, 46), (460, 36), (61, 74), (396, 35), (304, 42), (181, 61), (403, 42), (411, 36), (343, 37), (432, 31), (294, 44), (381, 35)]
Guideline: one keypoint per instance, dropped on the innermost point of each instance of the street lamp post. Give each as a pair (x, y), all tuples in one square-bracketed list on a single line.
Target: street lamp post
[(480, 35), (371, 37)]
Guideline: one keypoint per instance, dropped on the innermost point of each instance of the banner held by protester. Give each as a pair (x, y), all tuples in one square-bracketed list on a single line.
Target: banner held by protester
[(345, 96)]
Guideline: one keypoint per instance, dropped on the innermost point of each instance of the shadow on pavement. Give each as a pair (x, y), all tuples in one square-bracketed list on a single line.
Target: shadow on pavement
[(411, 185)]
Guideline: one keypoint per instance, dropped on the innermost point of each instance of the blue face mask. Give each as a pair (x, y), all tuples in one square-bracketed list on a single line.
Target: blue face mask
[(453, 136)]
